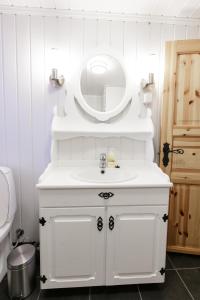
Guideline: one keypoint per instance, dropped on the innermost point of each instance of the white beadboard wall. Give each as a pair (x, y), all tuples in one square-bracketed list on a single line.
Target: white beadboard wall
[(27, 100)]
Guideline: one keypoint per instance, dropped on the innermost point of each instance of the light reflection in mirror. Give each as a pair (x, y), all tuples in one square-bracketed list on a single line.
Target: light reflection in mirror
[(103, 83)]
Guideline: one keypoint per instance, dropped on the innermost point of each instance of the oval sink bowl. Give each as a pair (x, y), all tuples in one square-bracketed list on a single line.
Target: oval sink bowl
[(93, 174)]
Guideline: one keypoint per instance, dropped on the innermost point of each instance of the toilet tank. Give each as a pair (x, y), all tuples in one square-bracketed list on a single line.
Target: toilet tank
[(8, 196)]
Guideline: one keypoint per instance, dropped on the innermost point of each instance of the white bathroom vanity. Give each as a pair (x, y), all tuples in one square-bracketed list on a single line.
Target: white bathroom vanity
[(103, 226)]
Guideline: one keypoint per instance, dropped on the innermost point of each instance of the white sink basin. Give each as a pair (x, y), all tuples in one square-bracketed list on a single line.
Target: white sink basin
[(93, 174)]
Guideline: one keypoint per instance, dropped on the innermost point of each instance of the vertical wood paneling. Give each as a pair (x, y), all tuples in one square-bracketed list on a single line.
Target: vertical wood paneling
[(76, 55), (38, 108), (3, 156), (11, 105), (180, 32), (103, 33), (126, 149), (130, 52), (90, 36), (117, 36), (100, 147), (143, 36), (155, 48), (88, 148), (192, 32), (51, 95), (139, 150), (24, 123), (27, 99), (64, 43), (76, 49)]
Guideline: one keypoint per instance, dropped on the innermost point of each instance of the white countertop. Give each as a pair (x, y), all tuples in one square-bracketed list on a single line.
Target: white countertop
[(58, 176)]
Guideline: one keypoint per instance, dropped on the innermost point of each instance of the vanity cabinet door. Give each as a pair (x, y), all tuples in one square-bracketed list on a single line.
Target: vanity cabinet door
[(72, 247), (136, 244)]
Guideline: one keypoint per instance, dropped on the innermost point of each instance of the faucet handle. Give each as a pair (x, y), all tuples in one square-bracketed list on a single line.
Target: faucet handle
[(103, 156)]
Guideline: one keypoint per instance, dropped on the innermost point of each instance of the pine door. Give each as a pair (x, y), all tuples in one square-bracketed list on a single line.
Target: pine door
[(136, 244), (180, 132), (72, 247)]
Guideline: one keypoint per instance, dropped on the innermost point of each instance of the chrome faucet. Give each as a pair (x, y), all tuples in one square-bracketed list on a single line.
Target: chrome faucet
[(102, 163)]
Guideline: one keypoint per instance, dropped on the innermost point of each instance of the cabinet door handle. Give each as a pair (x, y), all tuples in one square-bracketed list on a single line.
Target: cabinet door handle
[(111, 223), (99, 223), (106, 195)]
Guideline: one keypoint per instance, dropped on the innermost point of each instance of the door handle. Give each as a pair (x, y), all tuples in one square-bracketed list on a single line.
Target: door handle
[(99, 223), (166, 151), (111, 223)]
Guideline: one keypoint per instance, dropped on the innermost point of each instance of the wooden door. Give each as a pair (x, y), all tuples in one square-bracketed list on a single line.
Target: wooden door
[(72, 247), (181, 130), (136, 244)]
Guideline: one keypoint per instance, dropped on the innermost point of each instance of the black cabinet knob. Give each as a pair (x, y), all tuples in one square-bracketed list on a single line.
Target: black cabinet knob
[(106, 195)]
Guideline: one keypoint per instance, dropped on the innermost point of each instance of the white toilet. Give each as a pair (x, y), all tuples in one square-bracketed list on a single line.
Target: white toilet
[(7, 213)]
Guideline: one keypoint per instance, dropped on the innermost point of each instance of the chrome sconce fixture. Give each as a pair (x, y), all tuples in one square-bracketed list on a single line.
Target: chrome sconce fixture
[(151, 63), (55, 63), (149, 83), (151, 78), (147, 88), (55, 79)]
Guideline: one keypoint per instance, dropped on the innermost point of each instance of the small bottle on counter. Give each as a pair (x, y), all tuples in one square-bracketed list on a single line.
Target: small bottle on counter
[(111, 159)]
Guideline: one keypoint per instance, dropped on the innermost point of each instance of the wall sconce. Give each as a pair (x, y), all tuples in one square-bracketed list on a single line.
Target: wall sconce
[(56, 80), (55, 64), (147, 88), (151, 67), (149, 83)]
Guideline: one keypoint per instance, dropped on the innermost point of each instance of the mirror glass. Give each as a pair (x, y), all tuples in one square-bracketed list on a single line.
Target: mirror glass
[(103, 83)]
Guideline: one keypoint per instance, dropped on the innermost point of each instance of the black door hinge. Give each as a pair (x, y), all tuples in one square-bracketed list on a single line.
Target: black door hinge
[(43, 278), (165, 217), (162, 271), (42, 221)]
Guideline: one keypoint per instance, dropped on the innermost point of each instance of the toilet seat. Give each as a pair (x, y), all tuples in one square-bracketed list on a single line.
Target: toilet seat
[(7, 213), (4, 197), (7, 196)]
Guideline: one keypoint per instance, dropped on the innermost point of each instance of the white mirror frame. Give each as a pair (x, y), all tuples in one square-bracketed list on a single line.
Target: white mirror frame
[(103, 116)]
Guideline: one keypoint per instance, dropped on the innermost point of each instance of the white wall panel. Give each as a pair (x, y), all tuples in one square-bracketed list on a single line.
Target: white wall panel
[(180, 32), (24, 123), (192, 32), (90, 36), (117, 36), (11, 104), (27, 99), (155, 49), (40, 146), (3, 156), (104, 31), (50, 93)]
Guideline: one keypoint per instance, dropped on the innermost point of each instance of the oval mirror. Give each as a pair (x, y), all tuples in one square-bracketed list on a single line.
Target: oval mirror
[(103, 88), (103, 83)]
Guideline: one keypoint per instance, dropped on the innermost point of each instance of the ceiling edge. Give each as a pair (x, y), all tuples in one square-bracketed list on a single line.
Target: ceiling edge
[(81, 14)]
